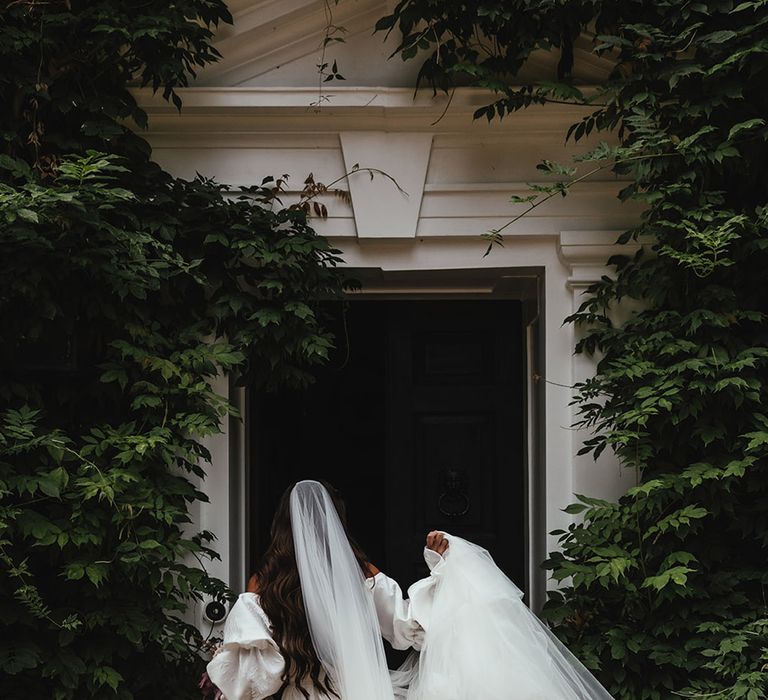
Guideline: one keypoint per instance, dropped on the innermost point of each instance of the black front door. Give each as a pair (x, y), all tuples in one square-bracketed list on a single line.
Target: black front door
[(418, 420), (455, 431)]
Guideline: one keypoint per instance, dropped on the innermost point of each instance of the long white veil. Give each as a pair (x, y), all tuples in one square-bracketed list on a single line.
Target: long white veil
[(481, 641), (341, 615)]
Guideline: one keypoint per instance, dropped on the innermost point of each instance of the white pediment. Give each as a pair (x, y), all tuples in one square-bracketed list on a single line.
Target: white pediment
[(278, 43)]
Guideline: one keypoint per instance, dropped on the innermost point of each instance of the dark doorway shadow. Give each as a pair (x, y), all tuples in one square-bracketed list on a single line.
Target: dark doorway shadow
[(418, 420)]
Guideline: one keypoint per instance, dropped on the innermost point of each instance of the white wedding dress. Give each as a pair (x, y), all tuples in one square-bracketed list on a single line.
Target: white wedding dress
[(249, 665), (472, 635)]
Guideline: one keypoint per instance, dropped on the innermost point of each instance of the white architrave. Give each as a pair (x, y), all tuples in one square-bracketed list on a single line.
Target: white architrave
[(383, 208)]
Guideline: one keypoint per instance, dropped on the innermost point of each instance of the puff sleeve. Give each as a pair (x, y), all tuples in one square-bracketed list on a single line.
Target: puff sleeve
[(421, 594), (403, 620), (249, 665)]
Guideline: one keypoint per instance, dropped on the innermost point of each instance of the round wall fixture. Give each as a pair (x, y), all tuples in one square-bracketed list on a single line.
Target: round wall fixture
[(215, 611)]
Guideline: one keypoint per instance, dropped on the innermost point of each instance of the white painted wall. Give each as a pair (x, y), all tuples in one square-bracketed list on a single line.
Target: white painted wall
[(214, 515)]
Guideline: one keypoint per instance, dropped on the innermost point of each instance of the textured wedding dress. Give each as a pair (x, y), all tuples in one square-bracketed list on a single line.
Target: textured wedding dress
[(473, 637)]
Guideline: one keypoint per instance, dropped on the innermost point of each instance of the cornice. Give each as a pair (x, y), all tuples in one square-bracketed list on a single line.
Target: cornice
[(368, 108)]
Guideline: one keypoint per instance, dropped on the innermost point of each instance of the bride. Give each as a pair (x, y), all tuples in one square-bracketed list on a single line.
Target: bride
[(312, 627)]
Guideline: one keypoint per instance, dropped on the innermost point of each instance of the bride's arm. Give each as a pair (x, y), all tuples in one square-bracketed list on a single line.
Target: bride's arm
[(249, 665), (394, 612), (396, 616)]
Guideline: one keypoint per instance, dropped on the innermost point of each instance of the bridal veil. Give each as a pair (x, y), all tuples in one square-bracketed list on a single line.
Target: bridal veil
[(342, 619)]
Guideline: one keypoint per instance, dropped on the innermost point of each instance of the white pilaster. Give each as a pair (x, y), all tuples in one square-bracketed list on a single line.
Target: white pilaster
[(586, 253), (558, 378)]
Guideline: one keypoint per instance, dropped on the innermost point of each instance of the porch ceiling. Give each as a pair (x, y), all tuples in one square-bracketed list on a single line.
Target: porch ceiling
[(279, 43)]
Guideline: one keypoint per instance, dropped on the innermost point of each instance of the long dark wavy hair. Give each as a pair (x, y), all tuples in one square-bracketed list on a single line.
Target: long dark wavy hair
[(279, 588)]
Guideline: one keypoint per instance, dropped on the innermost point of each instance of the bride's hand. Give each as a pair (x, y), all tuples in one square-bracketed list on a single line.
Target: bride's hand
[(436, 542)]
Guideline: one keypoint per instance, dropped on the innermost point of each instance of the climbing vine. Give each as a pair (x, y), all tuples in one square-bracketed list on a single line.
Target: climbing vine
[(664, 593), (124, 293)]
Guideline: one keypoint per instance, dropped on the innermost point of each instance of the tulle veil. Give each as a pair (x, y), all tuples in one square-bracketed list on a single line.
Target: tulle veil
[(481, 641)]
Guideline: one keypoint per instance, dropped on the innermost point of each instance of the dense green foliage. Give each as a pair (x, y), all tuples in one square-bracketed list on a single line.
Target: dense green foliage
[(664, 593), (123, 293)]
